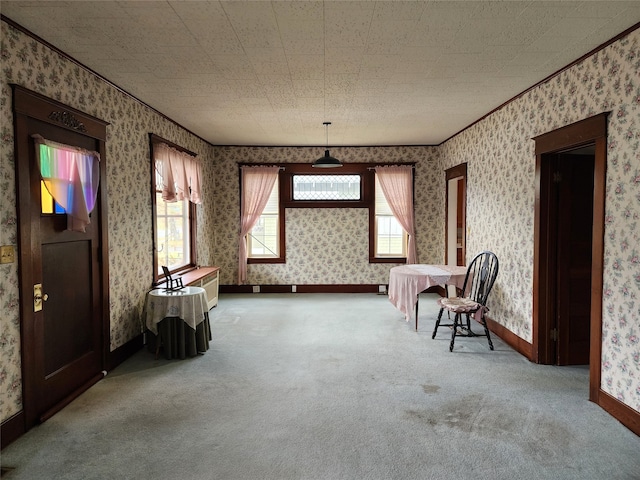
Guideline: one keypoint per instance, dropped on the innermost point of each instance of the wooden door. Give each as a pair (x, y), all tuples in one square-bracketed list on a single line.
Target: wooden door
[(63, 333), (573, 179)]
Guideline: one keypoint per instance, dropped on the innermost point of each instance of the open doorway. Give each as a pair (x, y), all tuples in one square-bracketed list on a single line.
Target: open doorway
[(569, 246), (456, 224), (570, 213)]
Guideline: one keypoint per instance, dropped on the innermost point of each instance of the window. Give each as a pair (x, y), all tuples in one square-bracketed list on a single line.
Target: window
[(263, 241), (48, 203), (174, 210), (173, 233), (390, 237), (326, 187), (301, 186)]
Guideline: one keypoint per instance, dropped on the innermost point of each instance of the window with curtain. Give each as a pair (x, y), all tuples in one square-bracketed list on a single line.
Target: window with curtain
[(395, 184), (390, 237), (263, 241), (257, 186), (70, 180), (176, 181)]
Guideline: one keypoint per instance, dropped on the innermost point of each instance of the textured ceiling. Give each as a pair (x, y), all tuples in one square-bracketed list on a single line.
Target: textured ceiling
[(270, 73)]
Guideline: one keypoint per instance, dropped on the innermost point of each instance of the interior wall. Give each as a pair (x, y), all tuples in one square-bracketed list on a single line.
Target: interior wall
[(36, 67), (498, 150), (325, 246), (501, 195)]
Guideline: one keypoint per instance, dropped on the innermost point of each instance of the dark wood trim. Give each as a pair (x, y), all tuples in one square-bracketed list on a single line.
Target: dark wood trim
[(11, 429), (153, 138), (592, 130), (547, 79), (235, 289), (626, 415), (574, 135), (275, 288), (70, 398), (124, 352), (193, 213), (306, 288), (35, 105), (507, 336), (384, 259), (269, 260), (28, 104), (337, 288), (104, 255), (597, 265), (286, 185), (455, 172)]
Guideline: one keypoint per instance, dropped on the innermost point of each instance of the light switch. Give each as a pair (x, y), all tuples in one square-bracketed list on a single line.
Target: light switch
[(7, 254)]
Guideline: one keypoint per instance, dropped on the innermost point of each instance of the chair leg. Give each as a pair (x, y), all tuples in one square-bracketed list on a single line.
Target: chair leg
[(437, 323), (456, 320), (486, 332)]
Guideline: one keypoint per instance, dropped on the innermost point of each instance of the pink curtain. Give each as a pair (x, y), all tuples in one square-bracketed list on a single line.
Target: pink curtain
[(396, 182), (257, 184), (180, 172), (71, 175)]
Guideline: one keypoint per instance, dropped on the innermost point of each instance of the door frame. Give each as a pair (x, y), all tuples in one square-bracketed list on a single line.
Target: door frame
[(28, 104), (592, 130), (449, 174)]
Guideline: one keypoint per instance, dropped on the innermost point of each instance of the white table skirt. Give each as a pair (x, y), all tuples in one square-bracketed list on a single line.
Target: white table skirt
[(188, 303)]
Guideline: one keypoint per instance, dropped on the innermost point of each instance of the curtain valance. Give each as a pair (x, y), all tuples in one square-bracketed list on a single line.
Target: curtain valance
[(71, 175), (181, 174)]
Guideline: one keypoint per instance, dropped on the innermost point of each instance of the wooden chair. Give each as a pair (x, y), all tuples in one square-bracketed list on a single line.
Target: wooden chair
[(480, 277)]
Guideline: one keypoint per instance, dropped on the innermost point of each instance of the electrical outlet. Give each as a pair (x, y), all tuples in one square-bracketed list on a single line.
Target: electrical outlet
[(7, 254), (293, 289), (256, 289)]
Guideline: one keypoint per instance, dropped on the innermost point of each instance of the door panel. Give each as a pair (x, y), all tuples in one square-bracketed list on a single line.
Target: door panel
[(574, 246), (66, 280), (68, 347), (63, 343)]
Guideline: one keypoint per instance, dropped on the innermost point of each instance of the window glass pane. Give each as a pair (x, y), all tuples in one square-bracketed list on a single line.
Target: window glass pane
[(264, 238), (46, 199), (390, 237), (172, 226), (47, 203), (326, 187)]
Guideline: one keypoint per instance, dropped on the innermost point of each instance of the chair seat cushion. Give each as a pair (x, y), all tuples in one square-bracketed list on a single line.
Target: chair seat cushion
[(459, 304)]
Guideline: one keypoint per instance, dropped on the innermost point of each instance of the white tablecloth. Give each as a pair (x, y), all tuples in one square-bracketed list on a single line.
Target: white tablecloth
[(188, 303), (407, 281)]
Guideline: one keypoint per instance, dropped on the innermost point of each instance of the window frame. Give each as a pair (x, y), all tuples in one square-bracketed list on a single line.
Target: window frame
[(373, 234), (367, 200), (280, 258), (192, 223)]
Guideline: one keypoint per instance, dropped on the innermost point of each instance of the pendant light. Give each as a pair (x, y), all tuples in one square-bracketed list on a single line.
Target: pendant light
[(327, 161)]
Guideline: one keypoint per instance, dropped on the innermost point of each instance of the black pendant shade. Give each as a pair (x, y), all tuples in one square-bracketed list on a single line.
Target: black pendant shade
[(327, 161)]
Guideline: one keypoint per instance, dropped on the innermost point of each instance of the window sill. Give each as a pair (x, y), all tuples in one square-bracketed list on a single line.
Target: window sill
[(387, 260), (265, 260)]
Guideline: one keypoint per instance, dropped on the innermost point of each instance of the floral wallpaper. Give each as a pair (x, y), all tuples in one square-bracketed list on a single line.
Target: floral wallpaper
[(34, 66), (500, 207), (500, 200), (325, 246)]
